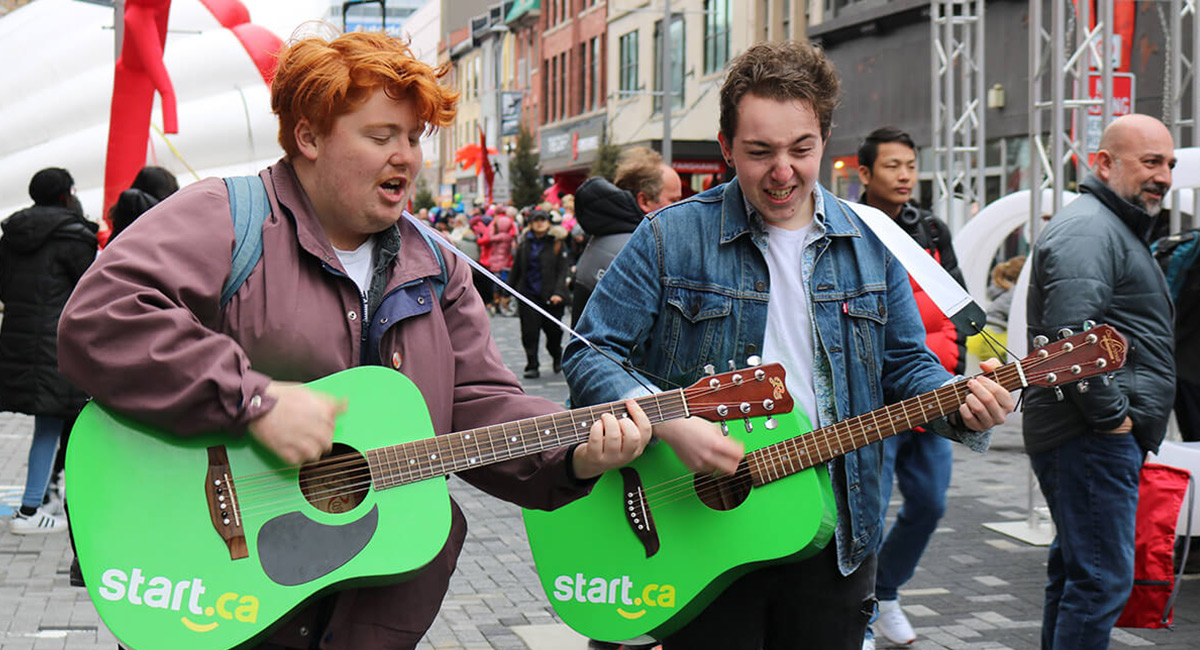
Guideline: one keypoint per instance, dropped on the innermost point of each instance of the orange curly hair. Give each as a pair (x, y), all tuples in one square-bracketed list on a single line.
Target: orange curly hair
[(318, 81)]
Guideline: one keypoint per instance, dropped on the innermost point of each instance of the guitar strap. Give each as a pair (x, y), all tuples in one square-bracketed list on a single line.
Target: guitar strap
[(441, 241), (940, 286)]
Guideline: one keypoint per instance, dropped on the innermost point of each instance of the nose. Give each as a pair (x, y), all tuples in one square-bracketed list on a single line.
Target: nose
[(405, 155), (1164, 176), (781, 169)]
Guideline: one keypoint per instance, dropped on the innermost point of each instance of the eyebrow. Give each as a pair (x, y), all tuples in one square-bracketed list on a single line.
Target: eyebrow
[(762, 143)]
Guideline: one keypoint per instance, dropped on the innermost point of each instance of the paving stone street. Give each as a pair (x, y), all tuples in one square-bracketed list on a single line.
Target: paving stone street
[(976, 588)]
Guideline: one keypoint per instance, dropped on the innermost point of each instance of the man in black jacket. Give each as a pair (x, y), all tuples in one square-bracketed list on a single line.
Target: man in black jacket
[(920, 462), (609, 213), (43, 252), (1087, 443)]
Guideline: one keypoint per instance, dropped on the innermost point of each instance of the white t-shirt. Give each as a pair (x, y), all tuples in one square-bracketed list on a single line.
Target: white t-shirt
[(358, 264), (789, 336)]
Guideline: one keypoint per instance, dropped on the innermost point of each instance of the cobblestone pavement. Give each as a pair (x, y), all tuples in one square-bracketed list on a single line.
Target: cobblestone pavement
[(975, 588)]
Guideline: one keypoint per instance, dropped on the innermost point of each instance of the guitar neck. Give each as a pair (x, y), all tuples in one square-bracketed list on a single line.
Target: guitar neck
[(802, 452), (445, 454)]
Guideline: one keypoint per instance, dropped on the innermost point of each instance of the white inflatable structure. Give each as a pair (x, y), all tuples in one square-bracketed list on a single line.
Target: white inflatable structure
[(59, 57)]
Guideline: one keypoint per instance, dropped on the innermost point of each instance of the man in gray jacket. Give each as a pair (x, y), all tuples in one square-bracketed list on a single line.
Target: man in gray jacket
[(1086, 444)]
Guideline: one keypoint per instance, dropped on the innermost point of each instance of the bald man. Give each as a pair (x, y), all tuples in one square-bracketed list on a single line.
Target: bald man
[(1093, 263)]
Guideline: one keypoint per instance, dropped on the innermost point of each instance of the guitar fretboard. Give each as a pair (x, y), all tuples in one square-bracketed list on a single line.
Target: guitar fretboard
[(441, 455), (794, 455)]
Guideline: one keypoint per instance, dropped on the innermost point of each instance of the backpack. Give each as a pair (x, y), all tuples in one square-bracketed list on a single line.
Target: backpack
[(1176, 256), (249, 207)]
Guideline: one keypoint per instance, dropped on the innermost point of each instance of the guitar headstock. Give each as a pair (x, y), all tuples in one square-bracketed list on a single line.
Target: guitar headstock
[(750, 392), (1087, 354)]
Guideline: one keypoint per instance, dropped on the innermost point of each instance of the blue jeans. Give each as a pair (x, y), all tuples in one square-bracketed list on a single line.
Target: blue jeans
[(43, 447), (921, 463), (1091, 485)]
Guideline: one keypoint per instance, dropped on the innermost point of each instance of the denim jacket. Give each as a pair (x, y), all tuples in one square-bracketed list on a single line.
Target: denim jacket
[(691, 288)]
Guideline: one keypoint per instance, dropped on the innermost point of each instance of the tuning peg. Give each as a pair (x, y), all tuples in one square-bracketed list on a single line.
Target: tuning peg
[(710, 369), (732, 365), (771, 424), (724, 428), (1088, 324), (1058, 394), (749, 427), (1083, 386), (1107, 379), (1064, 333), (753, 361), (1040, 340)]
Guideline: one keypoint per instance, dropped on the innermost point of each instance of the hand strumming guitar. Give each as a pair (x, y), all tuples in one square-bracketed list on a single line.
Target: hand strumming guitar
[(299, 428)]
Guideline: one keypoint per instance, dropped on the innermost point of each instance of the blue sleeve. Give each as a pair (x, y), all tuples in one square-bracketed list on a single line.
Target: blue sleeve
[(618, 318)]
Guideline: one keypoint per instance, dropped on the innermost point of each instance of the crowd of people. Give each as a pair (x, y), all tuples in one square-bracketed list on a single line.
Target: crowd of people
[(769, 265)]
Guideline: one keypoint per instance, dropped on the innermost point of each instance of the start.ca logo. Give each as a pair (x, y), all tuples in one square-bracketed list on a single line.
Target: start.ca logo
[(631, 600), (187, 596)]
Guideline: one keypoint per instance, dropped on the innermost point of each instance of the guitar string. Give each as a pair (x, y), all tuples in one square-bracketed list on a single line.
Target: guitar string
[(661, 498), (253, 501), (611, 407), (673, 490)]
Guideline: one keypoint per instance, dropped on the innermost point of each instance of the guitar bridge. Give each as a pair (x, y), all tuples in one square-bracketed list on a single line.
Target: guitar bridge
[(637, 511), (222, 503)]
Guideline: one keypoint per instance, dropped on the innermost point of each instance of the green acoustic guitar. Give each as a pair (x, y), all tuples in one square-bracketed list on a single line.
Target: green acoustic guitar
[(210, 541), (653, 544)]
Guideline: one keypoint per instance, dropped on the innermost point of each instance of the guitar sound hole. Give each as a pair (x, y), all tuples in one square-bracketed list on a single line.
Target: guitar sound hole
[(725, 492), (338, 482)]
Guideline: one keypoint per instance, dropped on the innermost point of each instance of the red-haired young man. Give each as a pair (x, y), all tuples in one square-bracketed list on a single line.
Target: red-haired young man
[(147, 335)]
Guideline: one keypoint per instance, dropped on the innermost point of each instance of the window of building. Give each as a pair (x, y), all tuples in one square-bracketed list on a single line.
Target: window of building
[(786, 19), (552, 89), (675, 37), (716, 35), (597, 73), (562, 85), (581, 60), (628, 64)]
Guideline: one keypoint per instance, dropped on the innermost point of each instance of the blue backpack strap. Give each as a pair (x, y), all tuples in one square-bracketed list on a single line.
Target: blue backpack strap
[(438, 281), (248, 207)]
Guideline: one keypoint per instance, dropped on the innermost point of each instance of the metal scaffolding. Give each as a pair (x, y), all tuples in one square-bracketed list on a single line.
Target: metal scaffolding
[(1064, 50), (958, 109)]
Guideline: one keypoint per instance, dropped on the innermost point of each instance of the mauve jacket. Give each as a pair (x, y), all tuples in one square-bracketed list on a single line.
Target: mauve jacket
[(144, 334)]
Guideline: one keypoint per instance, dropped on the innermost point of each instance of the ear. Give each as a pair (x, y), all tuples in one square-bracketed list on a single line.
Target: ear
[(307, 140), (1103, 166), (864, 175), (726, 149), (644, 203)]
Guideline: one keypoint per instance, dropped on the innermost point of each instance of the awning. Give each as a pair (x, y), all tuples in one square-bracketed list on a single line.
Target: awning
[(520, 8)]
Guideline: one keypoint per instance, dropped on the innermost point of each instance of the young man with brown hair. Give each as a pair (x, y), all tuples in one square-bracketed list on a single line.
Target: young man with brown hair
[(772, 264)]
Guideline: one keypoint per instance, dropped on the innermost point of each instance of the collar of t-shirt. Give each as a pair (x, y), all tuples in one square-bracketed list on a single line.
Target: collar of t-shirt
[(358, 264)]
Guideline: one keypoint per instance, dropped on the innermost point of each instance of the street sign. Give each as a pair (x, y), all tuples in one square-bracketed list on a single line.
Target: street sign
[(1121, 103)]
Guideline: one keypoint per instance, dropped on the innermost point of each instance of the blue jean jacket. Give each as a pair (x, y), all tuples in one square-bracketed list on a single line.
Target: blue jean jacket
[(691, 287)]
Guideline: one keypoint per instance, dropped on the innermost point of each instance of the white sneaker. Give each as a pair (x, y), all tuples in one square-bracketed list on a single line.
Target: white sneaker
[(893, 624), (39, 523), (868, 643)]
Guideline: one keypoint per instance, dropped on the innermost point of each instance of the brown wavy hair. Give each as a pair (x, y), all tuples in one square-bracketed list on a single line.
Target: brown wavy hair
[(782, 71), (320, 80)]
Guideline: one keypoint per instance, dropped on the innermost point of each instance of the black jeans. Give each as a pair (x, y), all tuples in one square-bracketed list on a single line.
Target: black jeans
[(793, 606), (532, 326)]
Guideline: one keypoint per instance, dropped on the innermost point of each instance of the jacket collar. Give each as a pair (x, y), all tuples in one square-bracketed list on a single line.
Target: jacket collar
[(829, 213), (1135, 218), (418, 260)]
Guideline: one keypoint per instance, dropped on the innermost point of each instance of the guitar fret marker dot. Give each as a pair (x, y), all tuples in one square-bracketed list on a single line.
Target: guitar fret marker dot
[(432, 456), (512, 439)]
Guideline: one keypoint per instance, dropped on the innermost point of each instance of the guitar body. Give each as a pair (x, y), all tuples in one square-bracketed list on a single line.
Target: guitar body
[(595, 569), (161, 576)]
